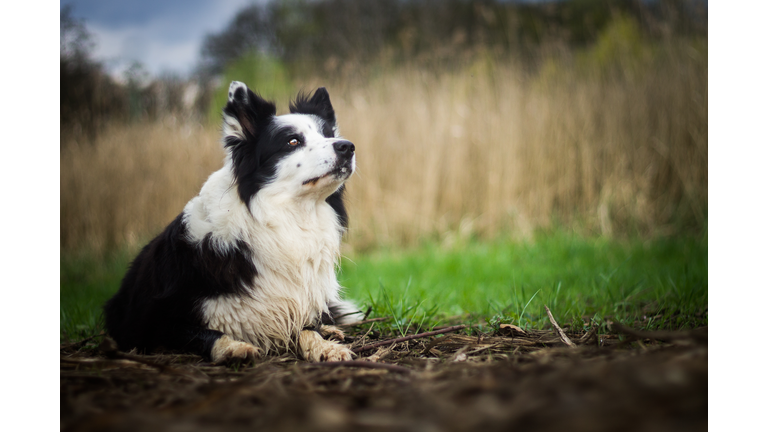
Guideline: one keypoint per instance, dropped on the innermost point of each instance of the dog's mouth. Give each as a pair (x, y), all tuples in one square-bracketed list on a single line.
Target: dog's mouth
[(341, 172)]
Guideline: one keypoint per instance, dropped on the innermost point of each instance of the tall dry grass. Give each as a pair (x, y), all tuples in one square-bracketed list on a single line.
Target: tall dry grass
[(134, 180), (485, 150), (488, 151)]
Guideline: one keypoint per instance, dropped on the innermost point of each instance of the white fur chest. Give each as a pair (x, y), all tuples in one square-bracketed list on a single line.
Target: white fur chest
[(295, 245)]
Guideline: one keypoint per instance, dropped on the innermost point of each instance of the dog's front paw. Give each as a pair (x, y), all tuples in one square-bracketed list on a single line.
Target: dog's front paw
[(316, 349), (334, 352), (227, 349)]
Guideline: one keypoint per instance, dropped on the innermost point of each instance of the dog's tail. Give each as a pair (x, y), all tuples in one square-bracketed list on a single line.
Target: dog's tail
[(344, 312)]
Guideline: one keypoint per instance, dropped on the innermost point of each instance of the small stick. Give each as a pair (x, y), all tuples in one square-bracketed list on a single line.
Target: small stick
[(100, 361), (588, 335), (407, 338), (109, 348), (362, 339), (482, 349), (664, 336), (80, 343), (363, 364), (363, 322), (348, 314), (429, 347), (560, 331)]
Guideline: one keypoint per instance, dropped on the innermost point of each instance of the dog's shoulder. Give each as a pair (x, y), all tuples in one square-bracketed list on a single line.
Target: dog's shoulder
[(173, 263)]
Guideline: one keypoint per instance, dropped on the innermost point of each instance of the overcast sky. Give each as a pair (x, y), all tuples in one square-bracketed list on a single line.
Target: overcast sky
[(164, 35)]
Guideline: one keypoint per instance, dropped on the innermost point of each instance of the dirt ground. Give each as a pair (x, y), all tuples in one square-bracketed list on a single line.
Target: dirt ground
[(533, 381)]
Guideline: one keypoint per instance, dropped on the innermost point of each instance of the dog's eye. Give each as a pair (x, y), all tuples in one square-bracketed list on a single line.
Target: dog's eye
[(293, 142)]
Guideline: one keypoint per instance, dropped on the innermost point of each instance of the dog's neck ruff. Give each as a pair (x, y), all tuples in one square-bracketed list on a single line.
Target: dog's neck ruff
[(294, 243)]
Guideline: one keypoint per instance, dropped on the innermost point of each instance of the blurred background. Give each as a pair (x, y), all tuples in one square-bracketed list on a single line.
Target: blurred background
[(471, 119)]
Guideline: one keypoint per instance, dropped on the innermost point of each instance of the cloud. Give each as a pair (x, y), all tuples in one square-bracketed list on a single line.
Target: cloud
[(118, 48), (164, 36)]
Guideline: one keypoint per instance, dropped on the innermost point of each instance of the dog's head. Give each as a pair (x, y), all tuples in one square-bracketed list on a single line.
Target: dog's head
[(298, 154)]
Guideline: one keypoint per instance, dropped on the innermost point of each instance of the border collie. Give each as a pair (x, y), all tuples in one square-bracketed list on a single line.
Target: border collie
[(248, 267)]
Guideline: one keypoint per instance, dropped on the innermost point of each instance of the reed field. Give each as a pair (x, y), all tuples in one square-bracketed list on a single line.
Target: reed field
[(606, 144), (485, 151), (528, 231), (486, 190), (132, 182)]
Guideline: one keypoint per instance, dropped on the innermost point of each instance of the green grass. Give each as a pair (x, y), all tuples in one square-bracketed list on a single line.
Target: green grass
[(584, 281), (653, 284), (87, 281)]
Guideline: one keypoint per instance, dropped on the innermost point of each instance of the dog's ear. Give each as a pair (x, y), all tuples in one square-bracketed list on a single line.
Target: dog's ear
[(245, 112), (246, 117), (320, 105)]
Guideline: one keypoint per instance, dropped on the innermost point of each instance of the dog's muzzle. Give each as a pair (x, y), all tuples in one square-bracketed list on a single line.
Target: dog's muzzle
[(344, 149), (342, 169), (345, 152)]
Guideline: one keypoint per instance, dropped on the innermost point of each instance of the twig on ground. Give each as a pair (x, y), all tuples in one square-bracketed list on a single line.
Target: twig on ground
[(560, 332), (362, 364), (475, 351), (103, 362), (361, 339), (109, 348), (348, 314), (429, 346), (699, 335), (590, 334), (80, 343), (363, 322), (407, 338), (379, 355)]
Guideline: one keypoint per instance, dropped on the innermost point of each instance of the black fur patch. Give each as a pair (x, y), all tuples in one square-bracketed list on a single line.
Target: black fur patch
[(334, 313), (159, 299), (320, 105), (336, 201), (327, 319), (250, 156)]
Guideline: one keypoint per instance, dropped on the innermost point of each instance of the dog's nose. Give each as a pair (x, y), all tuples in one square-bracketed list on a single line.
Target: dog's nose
[(344, 148)]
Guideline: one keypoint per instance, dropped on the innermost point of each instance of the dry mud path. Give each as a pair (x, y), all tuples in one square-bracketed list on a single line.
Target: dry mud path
[(533, 381)]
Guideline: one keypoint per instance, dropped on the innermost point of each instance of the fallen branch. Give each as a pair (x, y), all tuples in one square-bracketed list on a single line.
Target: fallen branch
[(118, 362), (357, 323), (407, 338), (560, 332), (589, 335), (109, 348), (429, 347), (475, 351), (80, 343), (379, 355), (699, 335), (363, 364)]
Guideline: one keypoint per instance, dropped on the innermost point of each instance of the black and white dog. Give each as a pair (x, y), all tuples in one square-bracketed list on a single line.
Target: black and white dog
[(248, 267)]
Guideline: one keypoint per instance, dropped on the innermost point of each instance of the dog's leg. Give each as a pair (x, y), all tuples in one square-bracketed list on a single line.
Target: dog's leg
[(213, 345), (314, 348), (331, 332), (226, 349)]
